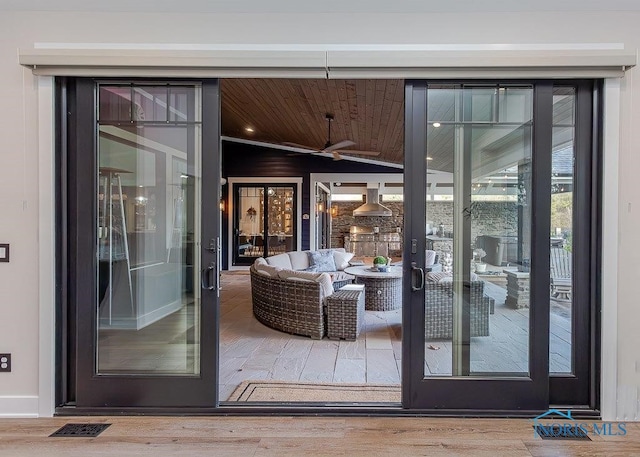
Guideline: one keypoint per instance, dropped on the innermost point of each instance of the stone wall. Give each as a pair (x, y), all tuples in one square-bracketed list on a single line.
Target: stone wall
[(489, 218), (340, 224)]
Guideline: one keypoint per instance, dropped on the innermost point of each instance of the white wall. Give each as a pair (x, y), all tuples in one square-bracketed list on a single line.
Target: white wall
[(19, 143)]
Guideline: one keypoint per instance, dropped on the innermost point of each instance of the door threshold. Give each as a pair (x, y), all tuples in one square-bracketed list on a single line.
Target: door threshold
[(356, 410)]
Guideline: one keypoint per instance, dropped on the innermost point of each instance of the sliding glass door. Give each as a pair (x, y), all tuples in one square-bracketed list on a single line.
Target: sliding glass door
[(264, 221), (146, 250), (490, 319)]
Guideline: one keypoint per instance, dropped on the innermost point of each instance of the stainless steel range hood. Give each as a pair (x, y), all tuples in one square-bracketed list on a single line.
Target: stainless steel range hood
[(372, 207)]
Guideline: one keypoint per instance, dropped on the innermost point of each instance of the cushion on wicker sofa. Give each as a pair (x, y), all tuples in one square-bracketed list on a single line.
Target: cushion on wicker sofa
[(267, 270), (299, 261), (280, 260), (341, 259), (322, 278)]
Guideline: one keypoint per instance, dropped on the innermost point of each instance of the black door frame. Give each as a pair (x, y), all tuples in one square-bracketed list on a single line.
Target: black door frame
[(74, 195), (541, 389), (78, 383)]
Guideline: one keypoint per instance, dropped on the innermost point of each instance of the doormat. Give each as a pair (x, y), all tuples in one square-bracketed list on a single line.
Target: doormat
[(283, 392), (558, 432), (90, 430)]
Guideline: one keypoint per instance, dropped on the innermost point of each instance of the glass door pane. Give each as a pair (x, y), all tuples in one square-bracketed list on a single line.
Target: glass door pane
[(260, 207), (477, 292), (149, 188), (562, 230), (145, 243), (281, 219), (249, 231), (472, 331)]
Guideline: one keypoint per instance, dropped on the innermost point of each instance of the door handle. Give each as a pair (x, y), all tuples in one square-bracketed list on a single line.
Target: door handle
[(218, 265), (205, 277), (419, 273)]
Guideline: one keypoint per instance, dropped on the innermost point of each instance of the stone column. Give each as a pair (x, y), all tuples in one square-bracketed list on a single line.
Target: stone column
[(517, 289)]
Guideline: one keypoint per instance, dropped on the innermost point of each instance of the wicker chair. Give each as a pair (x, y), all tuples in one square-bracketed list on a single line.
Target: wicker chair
[(439, 310), (290, 306)]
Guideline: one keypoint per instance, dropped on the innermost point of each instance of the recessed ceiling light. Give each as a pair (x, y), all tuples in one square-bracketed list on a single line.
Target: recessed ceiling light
[(249, 129), (436, 124)]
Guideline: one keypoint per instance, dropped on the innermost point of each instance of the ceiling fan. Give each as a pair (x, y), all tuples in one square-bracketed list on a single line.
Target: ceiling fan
[(334, 149)]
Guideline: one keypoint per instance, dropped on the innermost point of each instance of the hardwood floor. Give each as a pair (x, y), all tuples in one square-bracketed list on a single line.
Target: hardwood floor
[(296, 436)]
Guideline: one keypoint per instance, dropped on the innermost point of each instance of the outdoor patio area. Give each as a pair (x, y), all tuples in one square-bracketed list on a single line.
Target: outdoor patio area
[(252, 351), (506, 349)]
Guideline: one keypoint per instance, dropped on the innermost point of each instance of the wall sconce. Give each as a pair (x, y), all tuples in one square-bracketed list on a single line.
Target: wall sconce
[(334, 210), (222, 205), (320, 207)]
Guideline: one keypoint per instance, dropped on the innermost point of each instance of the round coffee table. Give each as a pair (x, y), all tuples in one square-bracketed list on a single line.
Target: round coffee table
[(382, 291)]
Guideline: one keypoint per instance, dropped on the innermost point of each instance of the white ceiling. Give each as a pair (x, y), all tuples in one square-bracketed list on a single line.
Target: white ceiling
[(315, 6)]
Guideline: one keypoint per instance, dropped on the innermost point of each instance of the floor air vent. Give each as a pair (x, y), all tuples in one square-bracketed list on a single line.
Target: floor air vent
[(80, 430), (558, 432)]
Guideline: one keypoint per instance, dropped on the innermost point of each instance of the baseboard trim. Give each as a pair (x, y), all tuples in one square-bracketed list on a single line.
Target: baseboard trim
[(19, 406)]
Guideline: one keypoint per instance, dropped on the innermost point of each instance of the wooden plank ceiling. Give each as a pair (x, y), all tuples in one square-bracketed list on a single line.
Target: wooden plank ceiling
[(368, 112)]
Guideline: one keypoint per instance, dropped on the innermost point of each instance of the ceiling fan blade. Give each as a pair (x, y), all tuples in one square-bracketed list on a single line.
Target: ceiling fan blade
[(362, 153), (340, 145), (301, 146)]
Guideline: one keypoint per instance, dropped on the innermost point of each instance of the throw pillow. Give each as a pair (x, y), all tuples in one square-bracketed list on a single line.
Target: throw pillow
[(342, 259), (322, 260)]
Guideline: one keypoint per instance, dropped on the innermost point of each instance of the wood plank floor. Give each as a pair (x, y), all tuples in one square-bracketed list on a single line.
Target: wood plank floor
[(297, 436)]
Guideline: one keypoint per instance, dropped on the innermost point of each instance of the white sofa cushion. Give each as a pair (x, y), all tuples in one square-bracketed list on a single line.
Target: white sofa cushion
[(267, 270), (299, 260), (430, 257), (341, 259), (323, 278), (280, 260)]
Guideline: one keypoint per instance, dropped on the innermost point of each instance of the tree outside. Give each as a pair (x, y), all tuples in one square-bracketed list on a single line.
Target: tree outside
[(562, 216)]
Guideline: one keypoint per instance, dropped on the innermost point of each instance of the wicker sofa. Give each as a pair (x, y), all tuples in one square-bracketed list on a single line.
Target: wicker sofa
[(439, 309), (299, 261), (287, 298)]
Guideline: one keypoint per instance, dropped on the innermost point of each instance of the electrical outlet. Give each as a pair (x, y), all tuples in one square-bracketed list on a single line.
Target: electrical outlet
[(5, 363)]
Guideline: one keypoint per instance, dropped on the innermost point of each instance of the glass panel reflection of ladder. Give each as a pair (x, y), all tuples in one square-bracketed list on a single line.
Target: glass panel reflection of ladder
[(112, 229)]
